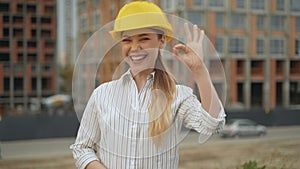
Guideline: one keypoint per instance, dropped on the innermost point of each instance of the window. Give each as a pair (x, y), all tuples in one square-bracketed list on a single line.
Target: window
[(95, 4), (195, 17), (260, 46), (5, 32), (4, 7), (276, 46), (260, 22), (46, 33), (280, 5), (240, 4), (20, 8), (295, 5), (279, 94), (34, 83), (32, 57), (18, 19), (240, 92), (219, 44), (198, 2), (17, 32), (18, 84), (82, 6), (49, 9), (4, 43), (297, 46), (33, 19), (295, 92), (31, 44), (83, 23), (236, 45), (6, 84), (46, 83), (49, 44), (96, 19), (219, 20), (33, 32), (31, 8), (257, 4), (277, 23), (216, 3), (5, 19), (45, 20), (238, 20), (257, 94), (297, 24), (4, 56), (20, 43)]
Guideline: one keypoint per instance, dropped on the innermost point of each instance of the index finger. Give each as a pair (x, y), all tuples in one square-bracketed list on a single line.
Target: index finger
[(187, 32)]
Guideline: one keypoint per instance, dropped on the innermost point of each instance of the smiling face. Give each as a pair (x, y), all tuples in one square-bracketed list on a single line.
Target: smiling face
[(140, 48)]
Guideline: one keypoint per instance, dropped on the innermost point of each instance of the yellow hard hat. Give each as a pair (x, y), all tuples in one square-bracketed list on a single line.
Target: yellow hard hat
[(141, 14)]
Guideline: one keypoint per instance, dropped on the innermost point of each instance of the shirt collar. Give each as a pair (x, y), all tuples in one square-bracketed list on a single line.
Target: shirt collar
[(128, 76)]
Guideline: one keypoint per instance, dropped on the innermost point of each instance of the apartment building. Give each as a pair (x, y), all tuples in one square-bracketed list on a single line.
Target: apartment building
[(259, 46), (258, 42), (27, 52)]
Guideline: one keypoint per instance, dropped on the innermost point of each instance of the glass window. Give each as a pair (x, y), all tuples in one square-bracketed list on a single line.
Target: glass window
[(96, 19), (297, 23), (236, 45), (276, 46), (260, 22), (277, 23), (257, 4), (295, 5), (83, 23), (82, 6), (95, 3), (195, 17), (219, 44), (297, 46), (198, 2), (294, 92), (4, 7), (216, 3), (260, 46), (238, 20), (280, 5), (219, 20), (240, 4)]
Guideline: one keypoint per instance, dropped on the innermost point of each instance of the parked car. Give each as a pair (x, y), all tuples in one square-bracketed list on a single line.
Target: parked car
[(243, 127)]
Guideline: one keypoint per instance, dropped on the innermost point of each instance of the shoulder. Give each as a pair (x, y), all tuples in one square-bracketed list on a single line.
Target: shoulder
[(183, 90)]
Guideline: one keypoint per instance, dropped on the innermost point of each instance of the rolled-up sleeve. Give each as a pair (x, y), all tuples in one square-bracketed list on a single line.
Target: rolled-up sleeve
[(85, 147), (195, 117)]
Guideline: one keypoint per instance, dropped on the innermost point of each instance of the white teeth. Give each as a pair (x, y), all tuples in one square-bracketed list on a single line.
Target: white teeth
[(137, 57)]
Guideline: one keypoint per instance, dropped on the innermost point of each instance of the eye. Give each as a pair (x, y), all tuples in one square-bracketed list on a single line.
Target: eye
[(126, 40), (144, 39)]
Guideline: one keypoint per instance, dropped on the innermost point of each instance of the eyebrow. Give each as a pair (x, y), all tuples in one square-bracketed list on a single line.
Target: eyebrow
[(139, 35)]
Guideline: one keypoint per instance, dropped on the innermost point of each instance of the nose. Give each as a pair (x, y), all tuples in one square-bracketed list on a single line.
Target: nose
[(135, 45)]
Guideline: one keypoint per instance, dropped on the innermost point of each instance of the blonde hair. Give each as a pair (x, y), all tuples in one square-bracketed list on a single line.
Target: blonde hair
[(163, 82)]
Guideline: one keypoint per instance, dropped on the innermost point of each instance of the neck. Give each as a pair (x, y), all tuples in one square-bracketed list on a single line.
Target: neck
[(141, 78)]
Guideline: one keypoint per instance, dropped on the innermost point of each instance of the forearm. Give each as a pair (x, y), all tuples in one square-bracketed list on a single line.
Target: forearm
[(95, 165), (208, 95)]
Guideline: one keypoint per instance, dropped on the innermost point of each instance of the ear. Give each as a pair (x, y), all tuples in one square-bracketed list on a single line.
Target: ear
[(162, 41)]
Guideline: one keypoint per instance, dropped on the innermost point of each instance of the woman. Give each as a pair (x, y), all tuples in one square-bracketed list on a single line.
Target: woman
[(135, 121)]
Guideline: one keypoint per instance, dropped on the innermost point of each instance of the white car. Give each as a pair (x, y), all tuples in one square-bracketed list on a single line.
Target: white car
[(242, 127)]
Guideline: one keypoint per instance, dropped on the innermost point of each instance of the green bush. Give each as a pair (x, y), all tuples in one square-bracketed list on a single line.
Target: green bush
[(252, 165)]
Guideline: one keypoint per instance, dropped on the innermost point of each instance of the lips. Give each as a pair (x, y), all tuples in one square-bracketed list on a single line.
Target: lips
[(138, 57)]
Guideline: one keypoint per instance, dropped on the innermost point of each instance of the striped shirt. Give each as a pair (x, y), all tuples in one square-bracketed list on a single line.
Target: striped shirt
[(114, 126)]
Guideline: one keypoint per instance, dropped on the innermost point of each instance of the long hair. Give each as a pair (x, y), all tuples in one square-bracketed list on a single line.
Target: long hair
[(162, 96)]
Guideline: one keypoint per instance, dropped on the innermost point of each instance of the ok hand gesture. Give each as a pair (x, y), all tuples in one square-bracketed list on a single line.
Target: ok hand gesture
[(192, 55)]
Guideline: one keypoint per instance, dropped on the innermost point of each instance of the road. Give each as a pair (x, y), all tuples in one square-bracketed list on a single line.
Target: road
[(28, 149)]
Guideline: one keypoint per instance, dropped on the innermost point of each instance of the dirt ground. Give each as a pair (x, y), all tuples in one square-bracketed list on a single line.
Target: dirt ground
[(230, 154)]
